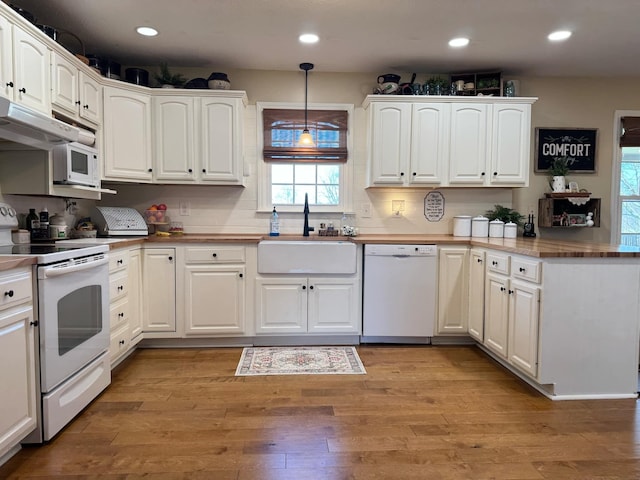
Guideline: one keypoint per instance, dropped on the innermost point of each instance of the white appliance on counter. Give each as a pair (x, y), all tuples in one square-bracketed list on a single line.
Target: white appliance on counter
[(71, 313), (118, 221), (399, 293)]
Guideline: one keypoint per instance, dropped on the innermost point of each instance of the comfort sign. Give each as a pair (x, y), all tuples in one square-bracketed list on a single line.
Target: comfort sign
[(578, 144)]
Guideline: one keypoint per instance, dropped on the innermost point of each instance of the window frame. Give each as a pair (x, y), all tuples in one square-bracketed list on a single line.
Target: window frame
[(264, 167)]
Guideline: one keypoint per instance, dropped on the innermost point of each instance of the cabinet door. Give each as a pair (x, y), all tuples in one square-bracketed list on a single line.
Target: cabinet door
[(32, 73), (7, 85), (174, 138), (135, 295), (429, 148), (496, 313), (221, 141), (64, 86), (468, 144), (390, 135), (17, 376), (127, 135), (476, 294), (90, 99), (159, 287), (214, 299), (333, 305), (524, 309), (281, 305), (453, 287), (511, 127)]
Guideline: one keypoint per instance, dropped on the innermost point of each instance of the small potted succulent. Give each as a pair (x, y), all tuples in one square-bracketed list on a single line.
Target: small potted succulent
[(166, 79)]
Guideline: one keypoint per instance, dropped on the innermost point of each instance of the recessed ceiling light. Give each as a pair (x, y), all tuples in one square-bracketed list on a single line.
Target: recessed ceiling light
[(308, 38), (459, 42), (559, 35), (147, 31)]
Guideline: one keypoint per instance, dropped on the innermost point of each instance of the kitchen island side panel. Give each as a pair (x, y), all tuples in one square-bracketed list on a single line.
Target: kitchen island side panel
[(589, 327)]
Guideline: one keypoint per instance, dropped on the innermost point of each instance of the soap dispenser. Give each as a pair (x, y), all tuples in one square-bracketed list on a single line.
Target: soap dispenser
[(274, 230)]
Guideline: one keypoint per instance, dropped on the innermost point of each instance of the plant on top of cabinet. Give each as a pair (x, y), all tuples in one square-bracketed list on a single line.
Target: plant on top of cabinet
[(505, 214), (167, 79)]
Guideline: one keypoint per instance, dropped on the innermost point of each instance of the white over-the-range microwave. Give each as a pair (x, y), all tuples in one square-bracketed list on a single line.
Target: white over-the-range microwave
[(76, 164)]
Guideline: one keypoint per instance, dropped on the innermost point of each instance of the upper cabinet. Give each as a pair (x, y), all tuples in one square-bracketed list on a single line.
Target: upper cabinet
[(449, 141), (198, 137), (74, 93), (24, 67)]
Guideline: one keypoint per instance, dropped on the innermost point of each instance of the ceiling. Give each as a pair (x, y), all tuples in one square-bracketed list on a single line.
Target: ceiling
[(357, 35)]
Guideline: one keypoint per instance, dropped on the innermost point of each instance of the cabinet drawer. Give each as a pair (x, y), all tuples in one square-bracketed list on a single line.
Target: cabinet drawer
[(118, 285), (525, 269), (214, 255), (119, 344), (118, 260), (15, 288), (119, 313), (498, 263)]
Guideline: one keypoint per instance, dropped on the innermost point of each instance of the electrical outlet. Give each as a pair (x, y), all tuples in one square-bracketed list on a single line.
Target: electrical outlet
[(185, 209), (365, 210)]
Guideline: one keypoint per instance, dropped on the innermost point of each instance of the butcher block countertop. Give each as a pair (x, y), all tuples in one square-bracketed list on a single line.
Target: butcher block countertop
[(8, 262)]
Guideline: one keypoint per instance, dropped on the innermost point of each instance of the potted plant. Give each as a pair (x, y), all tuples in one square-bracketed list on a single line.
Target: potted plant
[(167, 79), (505, 214), (558, 171)]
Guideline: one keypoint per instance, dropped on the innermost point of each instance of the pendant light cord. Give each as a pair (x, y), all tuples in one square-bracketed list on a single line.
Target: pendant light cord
[(306, 67)]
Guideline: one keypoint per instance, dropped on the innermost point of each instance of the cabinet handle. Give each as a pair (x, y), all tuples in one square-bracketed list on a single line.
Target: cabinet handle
[(10, 84), (310, 287), (510, 292), (191, 170), (23, 90), (479, 260), (304, 287), (482, 174), (502, 289), (121, 342), (241, 275), (402, 174), (120, 287), (78, 102), (170, 259), (522, 269), (34, 323), (8, 293), (121, 314)]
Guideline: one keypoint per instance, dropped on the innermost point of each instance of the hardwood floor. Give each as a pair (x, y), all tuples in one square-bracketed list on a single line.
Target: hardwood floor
[(419, 413)]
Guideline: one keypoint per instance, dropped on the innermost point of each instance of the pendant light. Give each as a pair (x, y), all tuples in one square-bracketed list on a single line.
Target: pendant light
[(306, 140)]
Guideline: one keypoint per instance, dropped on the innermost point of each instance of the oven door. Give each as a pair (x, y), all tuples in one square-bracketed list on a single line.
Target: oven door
[(73, 307)]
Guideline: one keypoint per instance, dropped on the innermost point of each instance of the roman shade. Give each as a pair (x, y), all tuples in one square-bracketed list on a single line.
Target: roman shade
[(630, 132), (282, 129)]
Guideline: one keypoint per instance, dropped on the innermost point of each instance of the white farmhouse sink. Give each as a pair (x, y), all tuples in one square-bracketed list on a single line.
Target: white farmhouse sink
[(306, 257)]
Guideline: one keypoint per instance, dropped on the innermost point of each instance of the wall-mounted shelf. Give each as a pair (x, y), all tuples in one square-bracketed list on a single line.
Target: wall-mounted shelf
[(558, 211)]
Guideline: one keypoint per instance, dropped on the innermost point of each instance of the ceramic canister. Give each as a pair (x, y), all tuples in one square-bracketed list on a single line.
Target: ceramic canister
[(510, 230), (462, 226), (480, 226), (496, 229)]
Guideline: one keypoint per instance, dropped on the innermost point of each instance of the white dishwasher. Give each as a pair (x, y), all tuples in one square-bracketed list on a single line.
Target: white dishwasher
[(399, 293)]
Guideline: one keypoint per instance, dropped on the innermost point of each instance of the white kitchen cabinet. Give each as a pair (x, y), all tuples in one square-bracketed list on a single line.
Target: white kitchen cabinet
[(73, 92), (127, 135), (214, 290), (319, 305), (135, 295), (24, 67), (159, 290), (453, 288), (468, 143), (476, 293), (496, 313), (510, 141), (17, 359), (198, 138), (524, 308), (429, 143)]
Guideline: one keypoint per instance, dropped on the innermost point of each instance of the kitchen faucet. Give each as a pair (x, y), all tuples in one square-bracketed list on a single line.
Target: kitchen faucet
[(307, 228)]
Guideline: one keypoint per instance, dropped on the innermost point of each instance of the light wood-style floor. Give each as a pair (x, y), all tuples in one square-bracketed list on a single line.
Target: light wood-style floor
[(420, 413)]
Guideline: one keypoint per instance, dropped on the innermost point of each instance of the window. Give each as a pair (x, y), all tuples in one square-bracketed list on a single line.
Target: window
[(290, 171), (626, 188)]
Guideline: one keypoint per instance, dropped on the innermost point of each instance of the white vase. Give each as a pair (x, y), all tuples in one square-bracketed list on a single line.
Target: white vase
[(558, 184)]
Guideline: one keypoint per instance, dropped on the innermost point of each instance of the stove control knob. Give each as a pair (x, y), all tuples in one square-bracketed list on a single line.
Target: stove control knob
[(12, 212), (3, 211)]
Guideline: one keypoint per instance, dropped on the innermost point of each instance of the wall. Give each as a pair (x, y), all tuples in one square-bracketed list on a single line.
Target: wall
[(569, 102)]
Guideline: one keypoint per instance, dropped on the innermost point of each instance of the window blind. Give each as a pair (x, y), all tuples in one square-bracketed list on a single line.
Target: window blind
[(282, 129), (630, 132)]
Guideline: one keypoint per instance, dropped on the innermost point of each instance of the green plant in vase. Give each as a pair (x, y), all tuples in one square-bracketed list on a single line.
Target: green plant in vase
[(167, 79), (558, 170), (505, 214)]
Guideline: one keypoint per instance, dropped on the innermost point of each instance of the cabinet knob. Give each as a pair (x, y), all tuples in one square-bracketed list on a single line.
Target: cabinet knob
[(495, 173), (121, 342), (120, 287), (191, 170), (482, 174), (10, 84), (214, 255), (121, 314), (502, 289), (204, 170), (23, 90), (150, 170), (304, 287), (241, 275), (170, 258), (8, 293), (86, 107), (522, 269), (494, 263), (402, 174), (77, 102), (414, 174), (510, 292), (119, 262), (479, 260), (34, 323), (310, 287)]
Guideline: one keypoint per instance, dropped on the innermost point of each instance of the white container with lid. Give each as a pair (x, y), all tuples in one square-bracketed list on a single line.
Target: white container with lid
[(480, 226), (496, 228), (510, 230), (462, 226)]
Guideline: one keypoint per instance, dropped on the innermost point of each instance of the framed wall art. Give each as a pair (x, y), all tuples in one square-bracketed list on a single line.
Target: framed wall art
[(577, 144)]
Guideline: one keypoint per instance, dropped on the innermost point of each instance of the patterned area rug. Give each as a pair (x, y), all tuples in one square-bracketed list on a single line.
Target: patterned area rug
[(299, 361)]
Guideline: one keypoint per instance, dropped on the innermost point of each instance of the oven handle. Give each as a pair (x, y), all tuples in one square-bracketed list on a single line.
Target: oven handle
[(49, 272)]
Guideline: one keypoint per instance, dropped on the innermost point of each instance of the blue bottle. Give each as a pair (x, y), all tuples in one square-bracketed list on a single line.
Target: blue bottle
[(274, 230)]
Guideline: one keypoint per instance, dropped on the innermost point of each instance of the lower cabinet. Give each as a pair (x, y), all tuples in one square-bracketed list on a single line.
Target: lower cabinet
[(476, 294), (17, 359), (159, 290), (291, 304), (453, 288), (214, 290)]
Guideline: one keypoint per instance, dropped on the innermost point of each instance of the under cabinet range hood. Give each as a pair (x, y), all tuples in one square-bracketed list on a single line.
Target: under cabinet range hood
[(30, 128)]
